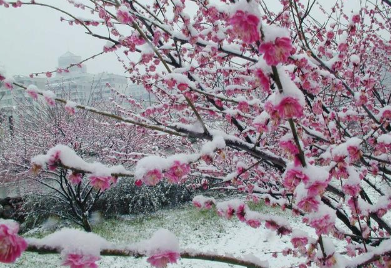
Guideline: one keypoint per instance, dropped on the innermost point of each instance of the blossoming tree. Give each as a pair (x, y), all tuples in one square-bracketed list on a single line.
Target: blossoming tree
[(286, 108), (40, 128)]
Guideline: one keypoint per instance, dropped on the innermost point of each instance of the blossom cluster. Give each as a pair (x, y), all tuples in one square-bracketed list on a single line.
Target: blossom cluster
[(247, 27), (174, 174), (238, 208)]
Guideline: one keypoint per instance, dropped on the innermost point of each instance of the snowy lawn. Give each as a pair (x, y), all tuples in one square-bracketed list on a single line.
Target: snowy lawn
[(202, 230)]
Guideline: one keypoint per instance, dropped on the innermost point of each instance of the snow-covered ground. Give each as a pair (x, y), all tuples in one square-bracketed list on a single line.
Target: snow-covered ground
[(201, 230)]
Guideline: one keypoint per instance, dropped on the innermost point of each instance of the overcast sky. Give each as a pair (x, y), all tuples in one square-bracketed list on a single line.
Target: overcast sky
[(32, 38)]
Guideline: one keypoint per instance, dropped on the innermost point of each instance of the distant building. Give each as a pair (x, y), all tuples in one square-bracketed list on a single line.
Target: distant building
[(77, 85), (10, 99), (140, 94), (73, 83), (69, 59)]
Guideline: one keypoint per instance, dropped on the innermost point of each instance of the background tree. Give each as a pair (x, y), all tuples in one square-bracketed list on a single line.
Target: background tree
[(39, 128)]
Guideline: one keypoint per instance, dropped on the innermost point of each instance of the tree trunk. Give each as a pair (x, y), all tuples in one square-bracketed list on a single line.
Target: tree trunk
[(86, 224)]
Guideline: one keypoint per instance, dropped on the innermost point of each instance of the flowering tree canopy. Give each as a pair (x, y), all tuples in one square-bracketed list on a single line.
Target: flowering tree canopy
[(279, 105)]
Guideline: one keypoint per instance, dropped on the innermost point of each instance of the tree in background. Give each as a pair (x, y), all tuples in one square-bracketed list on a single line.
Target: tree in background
[(60, 191), (276, 104)]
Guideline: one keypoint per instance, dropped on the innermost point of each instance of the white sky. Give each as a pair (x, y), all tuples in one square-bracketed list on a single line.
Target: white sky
[(32, 38)]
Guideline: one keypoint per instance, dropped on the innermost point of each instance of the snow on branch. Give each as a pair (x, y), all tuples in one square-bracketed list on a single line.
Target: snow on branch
[(82, 249)]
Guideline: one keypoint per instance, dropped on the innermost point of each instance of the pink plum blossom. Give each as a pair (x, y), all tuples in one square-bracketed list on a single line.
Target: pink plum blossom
[(177, 171), (71, 110), (137, 39), (309, 204), (163, 258), (208, 204), (146, 57), (356, 18), (11, 245), (322, 224), (8, 83), (352, 189), (316, 188), (103, 14), (75, 178), (152, 177), (243, 106), (226, 212), (273, 112), (361, 98), (17, 4), (289, 107), (261, 126), (245, 26), (123, 15), (354, 153), (54, 160), (32, 92), (386, 114), (277, 52), (197, 204), (183, 86), (330, 35), (50, 101), (254, 223), (271, 225), (293, 177), (80, 261), (100, 182), (299, 241), (263, 80), (289, 146), (203, 202), (342, 47), (49, 97), (241, 212), (70, 107)]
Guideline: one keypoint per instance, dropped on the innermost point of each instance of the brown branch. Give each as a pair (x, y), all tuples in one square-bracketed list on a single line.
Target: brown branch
[(113, 116), (136, 254), (189, 102), (73, 64), (58, 9)]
